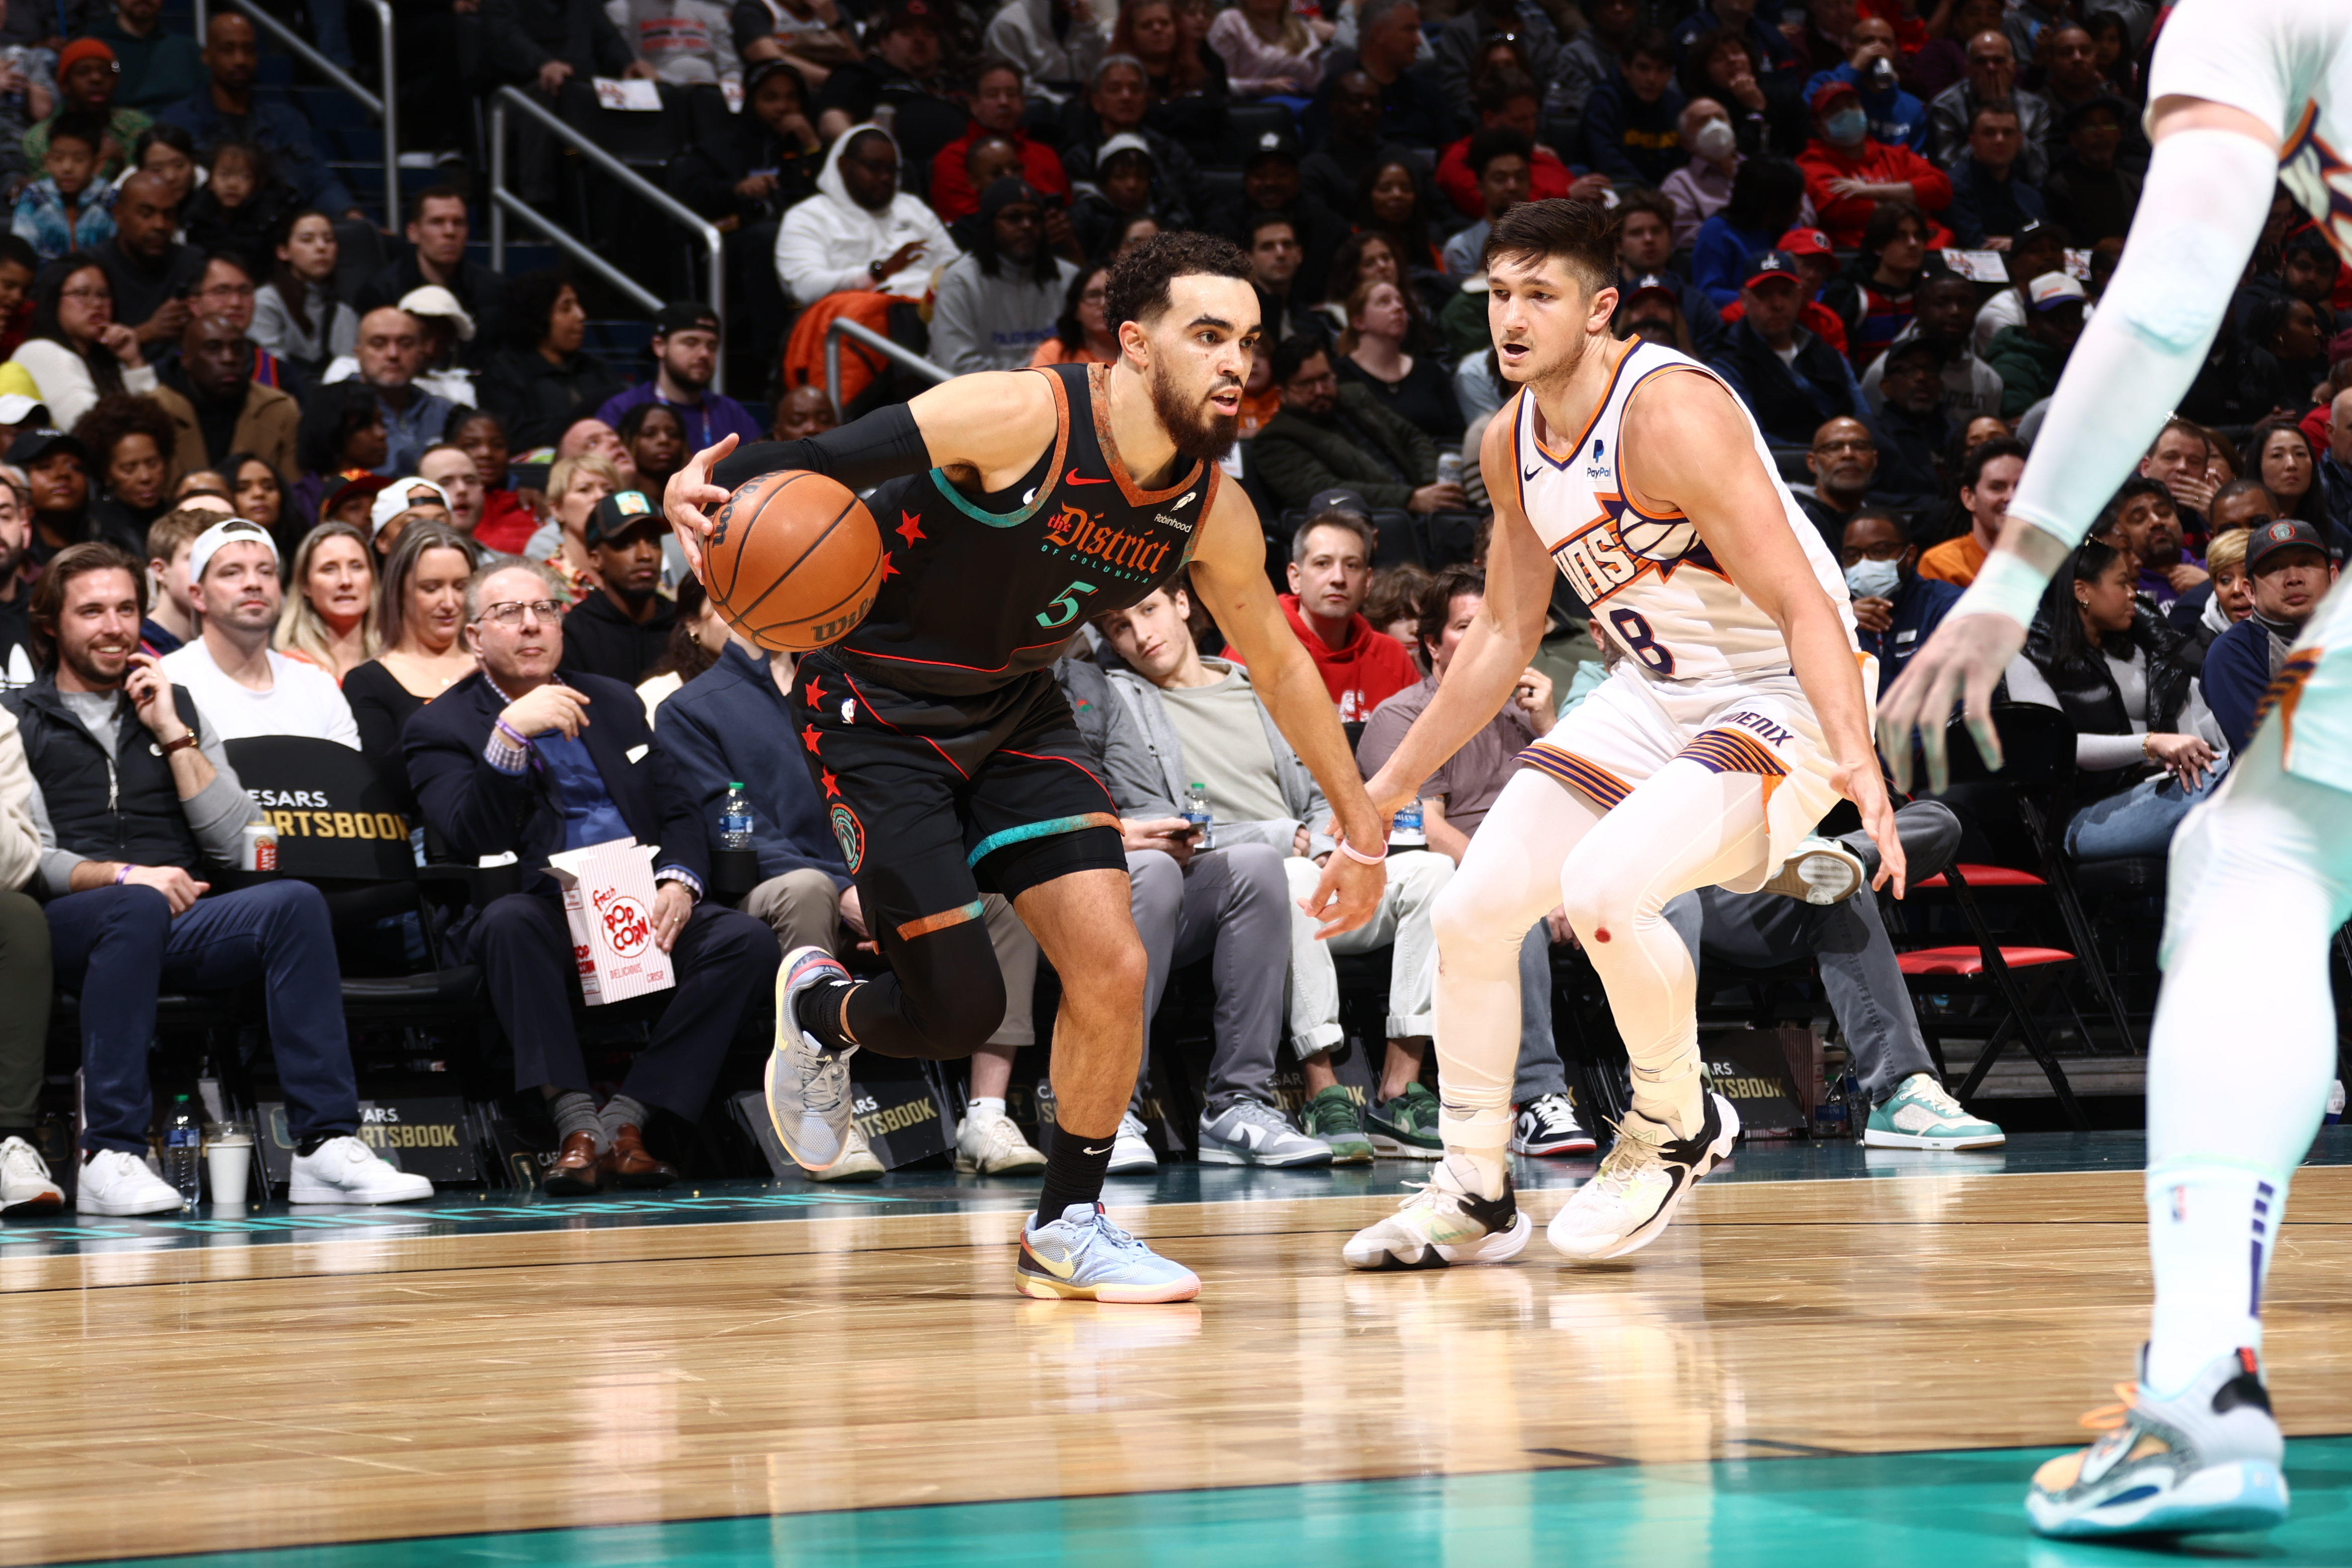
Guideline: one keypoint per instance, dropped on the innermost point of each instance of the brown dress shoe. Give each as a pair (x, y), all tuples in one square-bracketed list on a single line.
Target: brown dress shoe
[(577, 1171), (628, 1164)]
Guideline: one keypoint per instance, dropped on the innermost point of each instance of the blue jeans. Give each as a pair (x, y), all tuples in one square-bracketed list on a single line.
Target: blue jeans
[(127, 941), (2140, 821)]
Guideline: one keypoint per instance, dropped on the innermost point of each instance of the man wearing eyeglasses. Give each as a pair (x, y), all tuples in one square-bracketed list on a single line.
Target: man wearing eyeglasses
[(1895, 610), (529, 757)]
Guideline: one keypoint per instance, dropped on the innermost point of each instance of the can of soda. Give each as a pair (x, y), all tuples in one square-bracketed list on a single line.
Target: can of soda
[(259, 848), (1449, 467)]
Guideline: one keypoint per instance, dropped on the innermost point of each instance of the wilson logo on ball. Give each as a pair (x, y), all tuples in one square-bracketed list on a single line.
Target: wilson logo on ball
[(794, 562)]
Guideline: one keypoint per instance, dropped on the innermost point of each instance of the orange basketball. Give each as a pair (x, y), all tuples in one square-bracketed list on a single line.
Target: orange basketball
[(793, 561)]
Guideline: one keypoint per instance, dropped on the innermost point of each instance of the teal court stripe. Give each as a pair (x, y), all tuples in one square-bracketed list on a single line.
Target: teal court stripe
[(1918, 1511)]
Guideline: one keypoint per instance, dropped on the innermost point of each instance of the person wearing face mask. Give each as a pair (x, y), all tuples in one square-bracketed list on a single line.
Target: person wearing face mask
[(1848, 173), (1895, 116), (1699, 189), (1895, 610)]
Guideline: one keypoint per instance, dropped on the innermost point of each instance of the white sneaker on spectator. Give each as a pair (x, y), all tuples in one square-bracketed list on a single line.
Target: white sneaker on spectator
[(989, 1143), (25, 1184), (1132, 1150), (119, 1183), (345, 1171)]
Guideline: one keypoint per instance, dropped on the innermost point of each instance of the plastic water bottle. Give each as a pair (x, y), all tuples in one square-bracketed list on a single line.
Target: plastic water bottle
[(2335, 1102), (735, 819), (184, 1148), (1197, 813), (1405, 829)]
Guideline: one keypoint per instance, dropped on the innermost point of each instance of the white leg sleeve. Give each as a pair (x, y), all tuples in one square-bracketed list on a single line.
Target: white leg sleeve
[(2200, 212), (1685, 826), (2260, 879)]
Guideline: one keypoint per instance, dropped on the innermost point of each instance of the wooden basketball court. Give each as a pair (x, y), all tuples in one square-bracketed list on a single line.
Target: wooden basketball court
[(768, 1373)]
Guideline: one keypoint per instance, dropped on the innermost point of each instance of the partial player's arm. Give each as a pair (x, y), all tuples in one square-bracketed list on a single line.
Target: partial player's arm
[(2201, 213), (1229, 576), (1494, 653), (994, 422), (1685, 448)]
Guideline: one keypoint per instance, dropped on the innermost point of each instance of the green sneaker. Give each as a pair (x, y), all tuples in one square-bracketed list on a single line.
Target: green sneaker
[(1332, 1116), (1920, 1115), (1405, 1128)]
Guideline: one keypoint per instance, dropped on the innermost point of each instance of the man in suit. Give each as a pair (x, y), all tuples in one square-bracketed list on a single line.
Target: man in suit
[(525, 758)]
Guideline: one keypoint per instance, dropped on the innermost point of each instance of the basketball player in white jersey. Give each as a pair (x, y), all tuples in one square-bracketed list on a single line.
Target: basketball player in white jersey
[(1734, 722), (2242, 93)]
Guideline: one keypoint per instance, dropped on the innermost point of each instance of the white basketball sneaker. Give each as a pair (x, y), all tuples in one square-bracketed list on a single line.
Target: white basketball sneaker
[(2206, 1459), (1642, 1180), (1440, 1225)]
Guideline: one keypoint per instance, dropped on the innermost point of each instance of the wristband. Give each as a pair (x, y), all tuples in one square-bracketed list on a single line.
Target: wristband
[(2006, 585), (513, 735), (1358, 855), (121, 873)]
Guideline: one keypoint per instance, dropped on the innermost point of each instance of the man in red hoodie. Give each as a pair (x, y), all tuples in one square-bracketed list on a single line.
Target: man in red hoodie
[(1848, 173), (1330, 572)]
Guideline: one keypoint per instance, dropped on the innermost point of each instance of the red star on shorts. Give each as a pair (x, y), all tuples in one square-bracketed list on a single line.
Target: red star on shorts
[(832, 784), (816, 692), (910, 528), (888, 571), (808, 737)]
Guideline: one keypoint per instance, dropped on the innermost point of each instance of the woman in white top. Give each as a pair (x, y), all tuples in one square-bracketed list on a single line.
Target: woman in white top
[(294, 315), (1269, 50), (2117, 672), (76, 352)]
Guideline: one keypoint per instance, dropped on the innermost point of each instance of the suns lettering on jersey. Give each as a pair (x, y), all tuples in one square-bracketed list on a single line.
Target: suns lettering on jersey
[(2319, 180), (1595, 560)]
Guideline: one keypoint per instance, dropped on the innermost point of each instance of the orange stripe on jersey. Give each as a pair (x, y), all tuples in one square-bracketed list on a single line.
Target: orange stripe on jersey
[(1624, 350), (2285, 693), (1732, 751), (1605, 788), (940, 922)]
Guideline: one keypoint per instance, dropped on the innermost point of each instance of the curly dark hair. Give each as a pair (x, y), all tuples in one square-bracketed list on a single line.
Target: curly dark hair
[(121, 414), (1138, 289), (529, 302)]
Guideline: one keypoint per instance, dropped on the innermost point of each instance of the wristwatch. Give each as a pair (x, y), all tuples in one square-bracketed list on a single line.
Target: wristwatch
[(181, 744), (875, 269)]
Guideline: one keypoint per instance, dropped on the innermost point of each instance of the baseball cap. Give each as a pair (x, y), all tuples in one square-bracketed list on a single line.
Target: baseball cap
[(397, 497), (686, 315), (1009, 192), (1806, 242), (2106, 101), (1828, 93), (32, 445), (1653, 283), (908, 13), (1338, 500), (2285, 533), (618, 515), (433, 300), (2052, 289), (1270, 144), (229, 530), (16, 407), (1125, 142), (1767, 264)]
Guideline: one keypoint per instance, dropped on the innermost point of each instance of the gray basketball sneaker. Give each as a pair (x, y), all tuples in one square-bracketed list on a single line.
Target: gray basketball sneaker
[(1250, 1132), (2206, 1459), (807, 1086)]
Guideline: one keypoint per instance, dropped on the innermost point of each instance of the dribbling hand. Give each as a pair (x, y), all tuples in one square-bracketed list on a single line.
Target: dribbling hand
[(1961, 664), (1345, 895), (688, 497)]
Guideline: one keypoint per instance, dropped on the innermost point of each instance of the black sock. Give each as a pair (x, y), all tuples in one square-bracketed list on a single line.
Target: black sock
[(818, 1010), (311, 1145), (1074, 1169)]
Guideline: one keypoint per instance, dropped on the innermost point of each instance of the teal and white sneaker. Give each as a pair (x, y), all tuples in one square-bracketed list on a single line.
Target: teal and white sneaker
[(2205, 1460), (1332, 1117), (1920, 1115), (1405, 1128), (1082, 1256), (1441, 1224), (809, 1100)]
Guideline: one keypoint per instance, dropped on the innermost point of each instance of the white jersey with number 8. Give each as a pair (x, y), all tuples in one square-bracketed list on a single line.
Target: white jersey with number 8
[(1649, 581)]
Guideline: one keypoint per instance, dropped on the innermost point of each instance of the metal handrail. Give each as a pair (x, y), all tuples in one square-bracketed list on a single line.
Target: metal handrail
[(503, 201), (385, 109), (841, 327)]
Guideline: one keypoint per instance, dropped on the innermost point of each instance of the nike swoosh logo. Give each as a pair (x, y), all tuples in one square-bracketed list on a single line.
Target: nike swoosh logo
[(1531, 473), (1075, 479), (1060, 1269), (1104, 1149)]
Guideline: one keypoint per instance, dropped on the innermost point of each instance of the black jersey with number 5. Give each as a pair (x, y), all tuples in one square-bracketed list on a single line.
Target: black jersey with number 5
[(979, 590)]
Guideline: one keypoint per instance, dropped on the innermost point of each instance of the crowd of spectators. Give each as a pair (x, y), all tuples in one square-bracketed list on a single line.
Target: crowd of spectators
[(1884, 230)]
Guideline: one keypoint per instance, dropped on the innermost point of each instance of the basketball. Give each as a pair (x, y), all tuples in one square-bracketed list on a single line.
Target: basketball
[(793, 561)]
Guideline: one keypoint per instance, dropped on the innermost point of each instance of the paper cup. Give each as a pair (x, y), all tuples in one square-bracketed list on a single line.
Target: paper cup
[(229, 1166)]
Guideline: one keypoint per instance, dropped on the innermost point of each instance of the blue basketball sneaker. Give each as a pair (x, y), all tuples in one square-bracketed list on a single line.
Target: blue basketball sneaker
[(1082, 1256), (2207, 1459), (807, 1086)]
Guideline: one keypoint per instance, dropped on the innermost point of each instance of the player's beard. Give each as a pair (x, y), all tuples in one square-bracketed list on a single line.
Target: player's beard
[(1200, 434)]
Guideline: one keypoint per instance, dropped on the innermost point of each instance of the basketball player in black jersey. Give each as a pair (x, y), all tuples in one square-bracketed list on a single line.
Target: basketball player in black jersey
[(1014, 504)]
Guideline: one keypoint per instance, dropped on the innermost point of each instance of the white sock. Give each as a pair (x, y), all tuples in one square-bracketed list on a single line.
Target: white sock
[(1476, 1148), (2211, 1230), (983, 1105)]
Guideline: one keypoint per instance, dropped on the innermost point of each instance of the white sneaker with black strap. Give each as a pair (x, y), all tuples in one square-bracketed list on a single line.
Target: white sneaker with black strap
[(1546, 1125), (1441, 1224), (1642, 1180)]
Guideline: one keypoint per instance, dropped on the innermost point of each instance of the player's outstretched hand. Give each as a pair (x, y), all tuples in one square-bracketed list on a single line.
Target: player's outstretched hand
[(1862, 784), (1961, 664), (689, 495), (1347, 894)]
